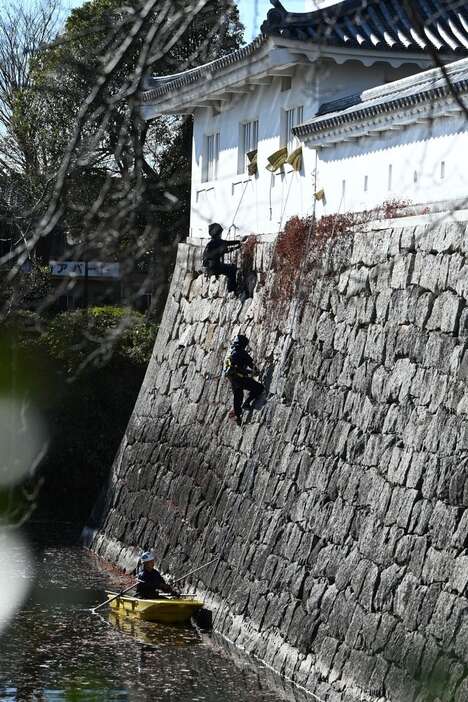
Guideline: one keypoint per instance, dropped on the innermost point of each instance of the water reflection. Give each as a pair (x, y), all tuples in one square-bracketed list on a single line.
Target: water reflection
[(152, 634), (57, 650)]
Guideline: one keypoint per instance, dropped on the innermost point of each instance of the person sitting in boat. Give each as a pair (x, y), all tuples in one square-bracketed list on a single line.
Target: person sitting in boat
[(150, 580)]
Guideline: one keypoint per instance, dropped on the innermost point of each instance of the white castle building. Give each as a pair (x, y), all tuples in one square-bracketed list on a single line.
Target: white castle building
[(338, 109)]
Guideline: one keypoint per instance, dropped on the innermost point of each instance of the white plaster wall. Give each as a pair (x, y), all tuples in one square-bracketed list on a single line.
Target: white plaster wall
[(415, 154), (262, 204), (264, 200), (340, 80)]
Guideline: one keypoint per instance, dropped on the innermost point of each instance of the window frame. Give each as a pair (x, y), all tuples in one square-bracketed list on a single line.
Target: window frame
[(210, 160), (292, 116), (242, 150)]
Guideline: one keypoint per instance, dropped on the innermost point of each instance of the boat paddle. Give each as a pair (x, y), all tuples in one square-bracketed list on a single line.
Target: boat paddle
[(122, 592), (194, 571)]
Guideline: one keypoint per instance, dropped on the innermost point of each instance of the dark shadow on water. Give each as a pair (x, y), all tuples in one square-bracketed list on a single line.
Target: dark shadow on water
[(203, 618), (42, 534)]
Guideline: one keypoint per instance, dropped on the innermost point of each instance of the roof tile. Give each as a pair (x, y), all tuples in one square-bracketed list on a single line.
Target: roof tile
[(419, 25)]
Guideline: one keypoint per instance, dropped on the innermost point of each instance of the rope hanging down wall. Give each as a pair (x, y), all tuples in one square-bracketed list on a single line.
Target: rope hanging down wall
[(279, 443)]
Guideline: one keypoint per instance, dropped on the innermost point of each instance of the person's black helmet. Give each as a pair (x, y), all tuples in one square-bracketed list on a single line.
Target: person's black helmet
[(240, 341), (215, 230)]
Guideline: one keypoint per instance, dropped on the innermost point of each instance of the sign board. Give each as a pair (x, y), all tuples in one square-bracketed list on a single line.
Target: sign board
[(77, 269)]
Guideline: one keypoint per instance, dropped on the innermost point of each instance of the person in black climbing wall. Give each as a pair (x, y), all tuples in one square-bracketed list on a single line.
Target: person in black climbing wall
[(150, 580), (239, 369), (213, 256)]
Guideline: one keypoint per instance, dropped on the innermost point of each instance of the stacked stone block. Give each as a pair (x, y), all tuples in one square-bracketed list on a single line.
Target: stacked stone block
[(337, 514)]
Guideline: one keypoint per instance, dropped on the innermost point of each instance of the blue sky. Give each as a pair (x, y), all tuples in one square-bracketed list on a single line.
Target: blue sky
[(252, 12)]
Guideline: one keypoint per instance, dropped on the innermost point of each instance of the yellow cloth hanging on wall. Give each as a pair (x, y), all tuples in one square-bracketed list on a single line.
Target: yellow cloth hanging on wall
[(320, 195), (252, 168), (295, 159), (277, 159)]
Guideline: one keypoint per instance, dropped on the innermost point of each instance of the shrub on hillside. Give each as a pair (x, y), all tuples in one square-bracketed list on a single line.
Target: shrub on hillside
[(82, 339), (88, 366)]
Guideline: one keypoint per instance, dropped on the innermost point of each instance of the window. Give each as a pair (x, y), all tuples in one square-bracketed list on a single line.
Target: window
[(292, 118), (211, 153), (248, 141), (442, 170), (366, 184), (390, 176)]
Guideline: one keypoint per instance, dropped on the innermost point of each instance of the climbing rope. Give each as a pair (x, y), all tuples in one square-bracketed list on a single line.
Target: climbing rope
[(286, 201), (217, 560), (233, 225), (311, 231), (301, 268), (273, 251), (272, 462), (284, 205)]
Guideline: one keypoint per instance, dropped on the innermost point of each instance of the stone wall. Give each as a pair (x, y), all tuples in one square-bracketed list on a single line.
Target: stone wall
[(337, 513)]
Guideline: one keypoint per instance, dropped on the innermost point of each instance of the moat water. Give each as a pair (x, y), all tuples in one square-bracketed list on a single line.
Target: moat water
[(54, 648)]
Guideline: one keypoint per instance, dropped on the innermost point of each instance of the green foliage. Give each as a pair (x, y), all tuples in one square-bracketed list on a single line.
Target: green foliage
[(85, 339), (24, 371), (30, 290), (92, 362), (65, 75), (138, 172), (83, 370)]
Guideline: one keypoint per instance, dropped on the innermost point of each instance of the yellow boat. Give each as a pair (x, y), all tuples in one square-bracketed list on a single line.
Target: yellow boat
[(164, 611)]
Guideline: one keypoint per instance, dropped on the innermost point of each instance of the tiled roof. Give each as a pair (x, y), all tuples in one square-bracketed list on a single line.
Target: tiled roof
[(339, 104), (413, 25), (394, 97), (398, 25), (165, 84)]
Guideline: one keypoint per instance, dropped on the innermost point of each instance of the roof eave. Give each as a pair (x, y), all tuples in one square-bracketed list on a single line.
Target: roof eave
[(275, 57), (213, 88), (395, 114)]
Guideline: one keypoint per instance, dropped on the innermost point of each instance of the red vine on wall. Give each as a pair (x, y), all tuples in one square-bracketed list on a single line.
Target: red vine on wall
[(299, 246), (247, 255)]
